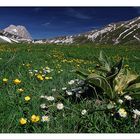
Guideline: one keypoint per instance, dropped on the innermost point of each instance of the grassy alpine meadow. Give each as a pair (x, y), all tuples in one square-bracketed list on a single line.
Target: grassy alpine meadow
[(34, 95)]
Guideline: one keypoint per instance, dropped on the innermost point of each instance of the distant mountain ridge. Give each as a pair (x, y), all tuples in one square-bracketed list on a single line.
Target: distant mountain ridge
[(123, 32), (114, 33)]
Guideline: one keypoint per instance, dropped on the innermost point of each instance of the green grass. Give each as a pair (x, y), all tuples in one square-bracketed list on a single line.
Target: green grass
[(68, 120)]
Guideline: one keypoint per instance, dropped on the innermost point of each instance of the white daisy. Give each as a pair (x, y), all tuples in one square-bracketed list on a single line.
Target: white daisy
[(60, 106), (120, 101), (45, 119), (53, 89), (42, 96), (36, 71), (83, 112), (64, 88), (71, 82), (69, 93), (43, 106), (50, 98)]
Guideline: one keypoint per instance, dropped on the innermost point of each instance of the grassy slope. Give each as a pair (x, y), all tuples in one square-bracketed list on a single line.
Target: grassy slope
[(68, 120)]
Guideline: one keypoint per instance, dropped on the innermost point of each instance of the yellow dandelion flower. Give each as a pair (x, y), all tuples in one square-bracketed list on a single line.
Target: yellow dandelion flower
[(27, 98), (23, 121), (39, 77), (17, 81), (35, 118), (5, 80)]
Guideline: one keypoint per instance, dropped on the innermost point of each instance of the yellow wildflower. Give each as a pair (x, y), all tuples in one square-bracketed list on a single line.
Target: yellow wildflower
[(23, 121), (35, 118), (39, 77), (27, 98), (5, 80), (17, 81)]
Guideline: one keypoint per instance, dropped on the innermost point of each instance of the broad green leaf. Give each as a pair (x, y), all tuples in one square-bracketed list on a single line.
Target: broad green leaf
[(137, 80), (131, 77), (115, 70), (103, 62), (124, 79), (101, 82), (134, 87)]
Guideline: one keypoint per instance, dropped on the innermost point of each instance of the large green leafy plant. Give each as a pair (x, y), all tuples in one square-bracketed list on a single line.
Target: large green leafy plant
[(119, 85), (114, 80)]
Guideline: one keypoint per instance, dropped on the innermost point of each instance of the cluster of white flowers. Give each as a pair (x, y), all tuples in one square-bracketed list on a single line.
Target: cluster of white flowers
[(49, 98), (127, 97), (137, 112)]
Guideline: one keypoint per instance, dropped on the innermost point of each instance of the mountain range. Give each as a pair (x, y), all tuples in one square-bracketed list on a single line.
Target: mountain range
[(122, 32)]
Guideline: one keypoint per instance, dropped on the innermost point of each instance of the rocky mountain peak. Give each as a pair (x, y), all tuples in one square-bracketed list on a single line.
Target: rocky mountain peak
[(19, 30)]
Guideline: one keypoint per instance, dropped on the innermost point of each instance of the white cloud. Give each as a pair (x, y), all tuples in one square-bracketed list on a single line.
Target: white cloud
[(46, 24)]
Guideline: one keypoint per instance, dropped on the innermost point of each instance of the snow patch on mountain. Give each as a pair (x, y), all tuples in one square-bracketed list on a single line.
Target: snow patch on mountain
[(136, 37), (5, 39), (95, 34)]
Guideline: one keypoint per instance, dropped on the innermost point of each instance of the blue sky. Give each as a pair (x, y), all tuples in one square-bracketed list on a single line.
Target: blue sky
[(47, 22)]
